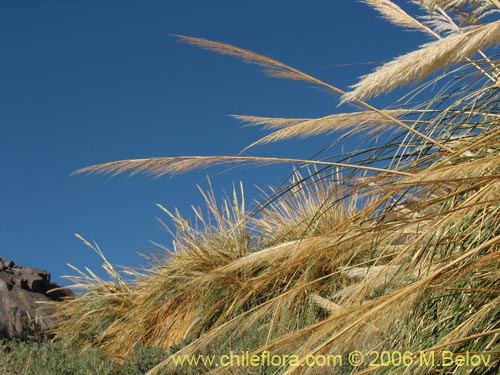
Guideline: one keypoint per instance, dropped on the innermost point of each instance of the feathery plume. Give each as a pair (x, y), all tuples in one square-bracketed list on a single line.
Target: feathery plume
[(479, 5), (277, 69), (417, 65), (394, 14), (272, 67), (290, 128), (172, 165)]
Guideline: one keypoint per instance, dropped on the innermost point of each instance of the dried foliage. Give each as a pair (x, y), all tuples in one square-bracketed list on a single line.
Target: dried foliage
[(393, 246), (430, 58)]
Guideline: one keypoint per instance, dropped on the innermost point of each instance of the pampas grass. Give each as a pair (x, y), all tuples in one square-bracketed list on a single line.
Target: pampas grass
[(302, 128), (392, 246), (172, 165), (419, 64), (394, 14)]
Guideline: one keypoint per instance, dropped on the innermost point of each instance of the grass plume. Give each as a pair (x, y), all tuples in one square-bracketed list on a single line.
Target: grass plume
[(431, 57), (394, 245)]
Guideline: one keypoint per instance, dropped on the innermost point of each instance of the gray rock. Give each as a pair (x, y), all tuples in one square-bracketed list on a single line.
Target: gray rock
[(24, 293)]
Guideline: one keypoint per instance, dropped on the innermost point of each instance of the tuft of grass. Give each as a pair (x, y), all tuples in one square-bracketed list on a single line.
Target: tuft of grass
[(393, 246)]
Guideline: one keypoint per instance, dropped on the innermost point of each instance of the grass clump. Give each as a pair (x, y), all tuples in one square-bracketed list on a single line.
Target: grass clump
[(393, 246)]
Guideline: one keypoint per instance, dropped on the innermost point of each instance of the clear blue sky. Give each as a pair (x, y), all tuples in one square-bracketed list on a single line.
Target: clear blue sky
[(91, 81)]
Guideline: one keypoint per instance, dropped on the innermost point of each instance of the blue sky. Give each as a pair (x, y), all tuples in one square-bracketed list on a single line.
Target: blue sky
[(91, 81)]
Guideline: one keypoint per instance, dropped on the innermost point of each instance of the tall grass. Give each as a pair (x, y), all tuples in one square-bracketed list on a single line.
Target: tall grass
[(394, 246)]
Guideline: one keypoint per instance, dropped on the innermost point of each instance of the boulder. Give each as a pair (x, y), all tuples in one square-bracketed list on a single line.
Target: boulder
[(24, 293)]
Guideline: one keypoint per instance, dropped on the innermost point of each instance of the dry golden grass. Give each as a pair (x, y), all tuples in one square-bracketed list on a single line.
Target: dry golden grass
[(417, 65), (290, 128), (395, 246), (394, 14)]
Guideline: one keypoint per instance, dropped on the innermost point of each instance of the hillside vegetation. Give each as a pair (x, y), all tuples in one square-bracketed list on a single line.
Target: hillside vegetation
[(393, 246)]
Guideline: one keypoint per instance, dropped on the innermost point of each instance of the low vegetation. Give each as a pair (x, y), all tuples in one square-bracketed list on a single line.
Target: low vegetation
[(392, 246), (45, 357)]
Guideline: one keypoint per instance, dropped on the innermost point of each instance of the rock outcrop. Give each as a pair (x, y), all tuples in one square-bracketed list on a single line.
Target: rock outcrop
[(24, 292)]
